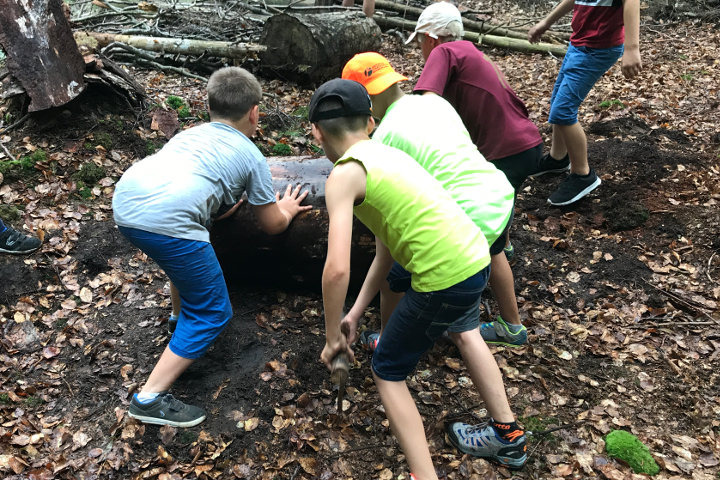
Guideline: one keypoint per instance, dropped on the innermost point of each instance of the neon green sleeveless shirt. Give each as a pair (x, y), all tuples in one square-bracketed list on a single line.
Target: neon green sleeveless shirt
[(428, 128), (425, 230)]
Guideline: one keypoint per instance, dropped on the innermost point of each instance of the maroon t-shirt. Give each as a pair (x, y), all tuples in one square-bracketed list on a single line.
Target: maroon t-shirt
[(495, 117), (598, 24)]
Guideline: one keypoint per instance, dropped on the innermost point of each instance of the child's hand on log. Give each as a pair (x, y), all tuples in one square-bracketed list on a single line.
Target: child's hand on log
[(290, 202)]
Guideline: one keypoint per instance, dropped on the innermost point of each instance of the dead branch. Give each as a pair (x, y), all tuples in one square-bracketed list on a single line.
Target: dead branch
[(181, 46), (482, 39), (147, 60), (469, 25)]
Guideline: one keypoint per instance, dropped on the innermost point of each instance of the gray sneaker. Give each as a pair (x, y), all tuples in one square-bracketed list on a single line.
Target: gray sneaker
[(16, 243), (166, 410), (482, 441), (498, 332), (573, 188)]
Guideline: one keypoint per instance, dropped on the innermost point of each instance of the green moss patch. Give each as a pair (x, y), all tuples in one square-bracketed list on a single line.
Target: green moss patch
[(628, 448)]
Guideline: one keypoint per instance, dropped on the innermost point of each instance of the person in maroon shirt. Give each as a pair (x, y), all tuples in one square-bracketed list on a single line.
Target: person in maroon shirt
[(599, 29), (498, 123)]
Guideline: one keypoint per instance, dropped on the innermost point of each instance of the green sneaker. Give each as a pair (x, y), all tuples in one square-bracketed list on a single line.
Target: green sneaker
[(498, 332), (166, 410)]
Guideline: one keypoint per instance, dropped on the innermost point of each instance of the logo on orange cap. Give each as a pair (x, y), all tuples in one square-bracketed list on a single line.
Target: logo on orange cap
[(373, 71)]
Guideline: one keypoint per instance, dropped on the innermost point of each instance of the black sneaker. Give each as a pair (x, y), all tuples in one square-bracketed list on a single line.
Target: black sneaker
[(573, 188), (14, 242), (548, 164), (172, 323), (166, 410)]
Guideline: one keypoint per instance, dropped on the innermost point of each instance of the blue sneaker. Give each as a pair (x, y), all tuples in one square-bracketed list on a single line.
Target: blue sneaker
[(369, 340), (482, 441), (499, 332)]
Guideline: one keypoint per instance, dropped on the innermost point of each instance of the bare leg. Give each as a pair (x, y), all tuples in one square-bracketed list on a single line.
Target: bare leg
[(368, 7), (166, 371), (175, 299), (407, 425), (503, 286), (571, 138), (484, 372)]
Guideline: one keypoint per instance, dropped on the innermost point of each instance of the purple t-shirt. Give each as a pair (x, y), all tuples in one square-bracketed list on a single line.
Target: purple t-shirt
[(495, 117)]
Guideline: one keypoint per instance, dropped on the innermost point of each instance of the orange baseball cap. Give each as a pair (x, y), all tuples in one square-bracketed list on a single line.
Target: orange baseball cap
[(372, 71)]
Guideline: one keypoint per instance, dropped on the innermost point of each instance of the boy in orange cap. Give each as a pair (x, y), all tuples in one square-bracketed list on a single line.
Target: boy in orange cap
[(444, 148)]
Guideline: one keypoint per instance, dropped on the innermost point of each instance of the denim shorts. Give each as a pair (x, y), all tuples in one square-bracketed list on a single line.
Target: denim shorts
[(194, 269), (581, 68), (421, 318)]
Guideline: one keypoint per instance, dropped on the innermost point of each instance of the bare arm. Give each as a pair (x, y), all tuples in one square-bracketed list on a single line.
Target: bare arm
[(562, 9), (631, 62), (275, 217), (345, 184), (377, 274)]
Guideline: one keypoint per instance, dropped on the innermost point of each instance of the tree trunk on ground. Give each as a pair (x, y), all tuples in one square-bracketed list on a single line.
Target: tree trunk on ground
[(312, 48), (491, 40), (41, 52), (298, 254)]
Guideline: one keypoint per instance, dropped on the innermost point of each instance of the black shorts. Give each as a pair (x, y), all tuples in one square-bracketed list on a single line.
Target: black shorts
[(517, 168)]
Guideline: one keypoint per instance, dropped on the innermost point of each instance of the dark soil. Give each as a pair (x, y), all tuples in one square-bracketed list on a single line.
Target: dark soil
[(587, 282)]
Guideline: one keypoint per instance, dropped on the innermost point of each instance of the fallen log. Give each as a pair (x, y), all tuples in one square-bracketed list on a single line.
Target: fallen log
[(482, 39), (297, 255), (41, 53), (183, 46), (311, 48), (468, 24)]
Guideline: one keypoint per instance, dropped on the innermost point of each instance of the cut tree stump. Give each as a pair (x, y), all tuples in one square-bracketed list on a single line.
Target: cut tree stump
[(310, 48), (41, 52), (297, 255)]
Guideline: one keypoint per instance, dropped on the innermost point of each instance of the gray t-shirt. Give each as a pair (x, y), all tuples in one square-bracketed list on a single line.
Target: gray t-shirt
[(176, 191)]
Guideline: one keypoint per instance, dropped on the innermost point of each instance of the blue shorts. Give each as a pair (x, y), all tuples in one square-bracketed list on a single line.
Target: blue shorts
[(194, 270), (421, 318), (581, 68)]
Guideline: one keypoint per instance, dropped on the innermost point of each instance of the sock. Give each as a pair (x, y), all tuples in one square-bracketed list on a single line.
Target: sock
[(511, 326), (507, 431), (145, 397)]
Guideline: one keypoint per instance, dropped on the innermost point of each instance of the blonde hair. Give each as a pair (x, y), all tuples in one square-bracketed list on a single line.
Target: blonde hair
[(232, 92)]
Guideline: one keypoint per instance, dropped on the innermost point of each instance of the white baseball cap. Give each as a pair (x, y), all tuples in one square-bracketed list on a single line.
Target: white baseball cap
[(435, 19)]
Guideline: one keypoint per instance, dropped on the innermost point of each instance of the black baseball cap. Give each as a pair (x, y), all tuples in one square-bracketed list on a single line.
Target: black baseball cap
[(354, 100)]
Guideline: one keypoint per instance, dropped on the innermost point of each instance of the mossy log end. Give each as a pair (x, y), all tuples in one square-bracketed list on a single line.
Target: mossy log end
[(313, 47)]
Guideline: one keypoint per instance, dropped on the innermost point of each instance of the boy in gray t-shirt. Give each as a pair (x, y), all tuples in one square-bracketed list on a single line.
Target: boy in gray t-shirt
[(165, 204)]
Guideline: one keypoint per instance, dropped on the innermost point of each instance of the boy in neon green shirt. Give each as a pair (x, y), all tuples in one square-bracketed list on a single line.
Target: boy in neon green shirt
[(419, 225), (429, 129)]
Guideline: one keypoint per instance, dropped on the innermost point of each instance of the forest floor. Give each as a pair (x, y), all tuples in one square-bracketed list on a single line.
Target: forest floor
[(619, 293)]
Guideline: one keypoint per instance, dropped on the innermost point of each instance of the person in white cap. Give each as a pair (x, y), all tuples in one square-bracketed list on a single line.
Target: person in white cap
[(498, 124)]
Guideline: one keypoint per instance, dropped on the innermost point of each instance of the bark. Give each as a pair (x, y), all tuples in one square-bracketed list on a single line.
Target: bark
[(481, 39), (41, 52), (312, 48), (469, 25), (247, 253), (176, 45)]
